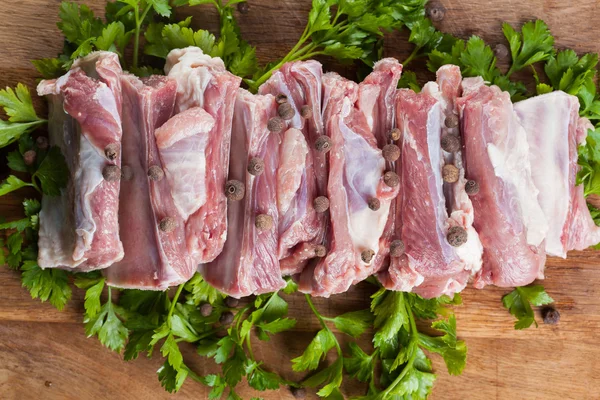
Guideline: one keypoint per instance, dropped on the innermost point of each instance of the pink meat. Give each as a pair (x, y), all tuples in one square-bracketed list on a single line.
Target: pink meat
[(429, 207), (508, 217), (154, 259), (249, 263), (377, 101), (554, 131), (355, 175), (300, 227), (79, 229), (204, 82)]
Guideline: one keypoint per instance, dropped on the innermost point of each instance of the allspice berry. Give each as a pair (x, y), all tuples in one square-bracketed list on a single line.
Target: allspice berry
[(391, 152), (457, 236), (550, 315), (243, 7), (256, 166), (112, 151), (41, 142), (286, 111), (391, 179), (323, 144), (206, 309), (367, 256), (320, 251), (451, 120), (306, 112), (231, 302), (226, 318), (450, 173), (29, 157), (374, 203), (263, 222), (298, 392), (155, 173), (167, 224), (234, 190), (321, 204), (450, 143), (111, 173), (276, 124), (397, 248), (471, 187), (394, 134), (281, 98), (436, 11), (501, 51)]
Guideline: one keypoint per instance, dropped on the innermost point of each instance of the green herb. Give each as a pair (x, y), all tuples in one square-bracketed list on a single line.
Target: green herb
[(347, 31), (239, 57), (22, 118), (519, 303)]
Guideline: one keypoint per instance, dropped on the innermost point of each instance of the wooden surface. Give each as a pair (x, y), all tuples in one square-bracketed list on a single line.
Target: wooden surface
[(45, 354)]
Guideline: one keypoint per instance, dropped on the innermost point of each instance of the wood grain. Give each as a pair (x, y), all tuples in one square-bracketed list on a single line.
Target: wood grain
[(44, 353)]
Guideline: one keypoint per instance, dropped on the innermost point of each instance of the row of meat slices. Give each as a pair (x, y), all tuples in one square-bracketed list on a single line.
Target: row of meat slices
[(315, 177)]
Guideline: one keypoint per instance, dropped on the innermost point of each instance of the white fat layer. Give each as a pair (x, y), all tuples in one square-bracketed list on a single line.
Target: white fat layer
[(513, 167), (363, 169), (190, 67), (436, 190), (294, 150), (86, 179), (184, 164), (546, 120)]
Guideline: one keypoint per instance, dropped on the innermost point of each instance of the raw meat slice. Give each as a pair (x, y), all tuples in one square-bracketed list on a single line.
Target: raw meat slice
[(152, 229), (182, 142), (552, 122), (204, 82), (508, 217), (249, 263), (355, 177), (377, 98), (300, 227), (430, 207), (377, 101), (80, 229)]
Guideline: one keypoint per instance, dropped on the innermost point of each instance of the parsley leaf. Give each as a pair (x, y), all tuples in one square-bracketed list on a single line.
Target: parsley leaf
[(103, 320), (46, 284), (519, 303), (52, 172), (21, 115), (534, 44)]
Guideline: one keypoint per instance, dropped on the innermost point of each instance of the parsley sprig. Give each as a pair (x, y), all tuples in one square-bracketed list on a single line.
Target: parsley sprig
[(519, 302)]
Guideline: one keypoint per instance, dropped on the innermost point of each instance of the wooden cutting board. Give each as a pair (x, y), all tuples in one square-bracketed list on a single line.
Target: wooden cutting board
[(45, 354)]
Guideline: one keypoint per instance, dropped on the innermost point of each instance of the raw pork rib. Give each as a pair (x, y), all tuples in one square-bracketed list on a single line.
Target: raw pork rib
[(377, 101), (249, 263), (204, 82), (155, 258), (554, 131), (80, 229), (302, 169), (508, 217), (356, 168), (428, 207)]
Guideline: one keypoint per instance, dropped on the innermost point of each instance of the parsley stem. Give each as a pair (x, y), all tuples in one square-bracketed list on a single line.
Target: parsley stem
[(138, 24), (322, 321), (414, 332), (411, 56), (174, 301)]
